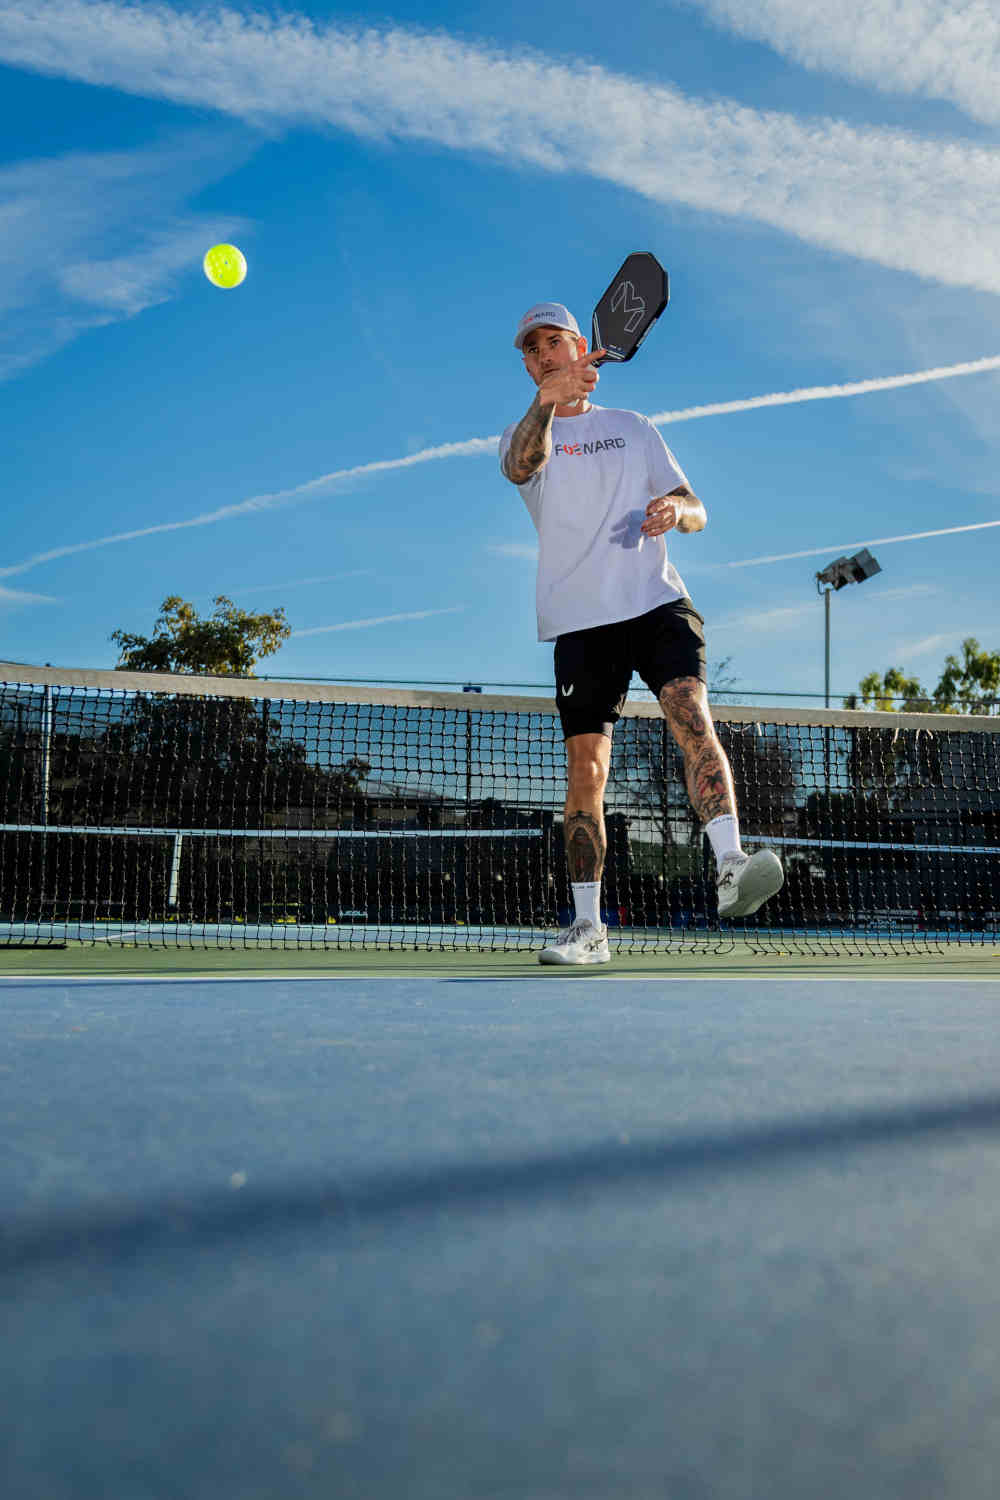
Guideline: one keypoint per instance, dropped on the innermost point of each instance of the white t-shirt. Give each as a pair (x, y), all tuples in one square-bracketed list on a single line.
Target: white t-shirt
[(588, 503)]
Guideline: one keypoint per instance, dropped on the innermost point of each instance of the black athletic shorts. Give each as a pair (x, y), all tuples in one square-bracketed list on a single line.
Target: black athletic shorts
[(594, 667)]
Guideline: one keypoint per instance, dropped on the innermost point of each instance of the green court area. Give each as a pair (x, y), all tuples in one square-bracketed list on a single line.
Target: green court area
[(83, 961)]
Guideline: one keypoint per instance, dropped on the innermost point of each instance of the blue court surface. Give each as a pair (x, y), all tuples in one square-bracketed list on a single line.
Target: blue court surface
[(498, 1234)]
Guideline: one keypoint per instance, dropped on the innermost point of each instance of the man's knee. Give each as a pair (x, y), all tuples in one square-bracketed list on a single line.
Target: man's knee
[(684, 702), (587, 778), (680, 691), (588, 758)]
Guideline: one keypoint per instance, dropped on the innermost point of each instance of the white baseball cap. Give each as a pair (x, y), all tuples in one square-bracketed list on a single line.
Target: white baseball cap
[(545, 315)]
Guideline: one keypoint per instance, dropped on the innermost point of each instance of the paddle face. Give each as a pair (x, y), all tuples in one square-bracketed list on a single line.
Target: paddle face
[(631, 305)]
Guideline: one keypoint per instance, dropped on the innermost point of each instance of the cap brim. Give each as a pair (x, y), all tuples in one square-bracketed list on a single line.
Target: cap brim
[(519, 341)]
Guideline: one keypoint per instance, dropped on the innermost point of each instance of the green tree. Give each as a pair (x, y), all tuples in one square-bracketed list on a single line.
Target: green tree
[(889, 692), (972, 685), (967, 686), (228, 643), (211, 761)]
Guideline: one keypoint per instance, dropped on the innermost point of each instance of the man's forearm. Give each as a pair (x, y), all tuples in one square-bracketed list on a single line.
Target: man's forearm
[(531, 445), (692, 516)]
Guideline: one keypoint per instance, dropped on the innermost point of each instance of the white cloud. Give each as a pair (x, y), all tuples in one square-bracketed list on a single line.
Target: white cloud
[(16, 596), (301, 583), (937, 49), (765, 621), (908, 203), (783, 617), (89, 238), (906, 650), (910, 591), (419, 614), (524, 551)]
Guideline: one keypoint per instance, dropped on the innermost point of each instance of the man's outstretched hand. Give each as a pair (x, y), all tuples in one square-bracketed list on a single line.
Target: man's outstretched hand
[(570, 383)]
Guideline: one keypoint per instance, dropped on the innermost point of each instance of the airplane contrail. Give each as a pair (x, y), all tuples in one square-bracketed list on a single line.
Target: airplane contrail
[(828, 392), (416, 614), (878, 541), (471, 447), (258, 503)]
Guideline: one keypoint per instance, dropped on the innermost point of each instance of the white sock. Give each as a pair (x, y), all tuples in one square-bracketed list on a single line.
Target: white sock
[(724, 833), (587, 900)]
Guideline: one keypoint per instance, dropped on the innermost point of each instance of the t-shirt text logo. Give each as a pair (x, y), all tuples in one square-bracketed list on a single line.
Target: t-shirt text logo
[(572, 450)]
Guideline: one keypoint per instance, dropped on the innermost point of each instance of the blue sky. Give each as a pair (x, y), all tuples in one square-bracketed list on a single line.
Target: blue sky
[(822, 183)]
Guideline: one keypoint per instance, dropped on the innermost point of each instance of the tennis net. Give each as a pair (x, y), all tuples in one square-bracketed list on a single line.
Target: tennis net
[(174, 810)]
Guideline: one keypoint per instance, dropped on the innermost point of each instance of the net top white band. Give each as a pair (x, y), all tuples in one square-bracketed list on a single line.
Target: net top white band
[(190, 685)]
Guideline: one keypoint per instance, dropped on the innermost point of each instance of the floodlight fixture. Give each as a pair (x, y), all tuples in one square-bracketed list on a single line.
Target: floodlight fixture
[(863, 566), (837, 575), (845, 570)]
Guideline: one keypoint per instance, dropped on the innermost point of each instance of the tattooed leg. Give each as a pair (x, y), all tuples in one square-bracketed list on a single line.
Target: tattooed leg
[(589, 757), (586, 845), (706, 766)]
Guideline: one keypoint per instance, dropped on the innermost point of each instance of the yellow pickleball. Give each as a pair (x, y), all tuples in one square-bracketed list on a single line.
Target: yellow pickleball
[(225, 266)]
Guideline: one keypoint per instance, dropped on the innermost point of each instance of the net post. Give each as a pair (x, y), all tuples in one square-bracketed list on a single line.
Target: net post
[(826, 698), (664, 806), (468, 768), (46, 751), (175, 870)]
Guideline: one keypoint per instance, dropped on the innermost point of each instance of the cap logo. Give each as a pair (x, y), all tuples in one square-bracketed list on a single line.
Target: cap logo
[(546, 315)]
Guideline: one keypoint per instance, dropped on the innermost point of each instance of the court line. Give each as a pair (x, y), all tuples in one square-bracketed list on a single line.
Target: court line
[(769, 978)]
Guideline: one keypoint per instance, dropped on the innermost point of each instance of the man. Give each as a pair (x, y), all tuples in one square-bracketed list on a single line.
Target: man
[(603, 489)]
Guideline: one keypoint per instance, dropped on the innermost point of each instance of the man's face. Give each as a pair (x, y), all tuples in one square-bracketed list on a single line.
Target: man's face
[(546, 349)]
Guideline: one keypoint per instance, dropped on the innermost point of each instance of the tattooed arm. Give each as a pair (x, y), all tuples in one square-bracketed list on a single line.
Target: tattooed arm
[(531, 444)]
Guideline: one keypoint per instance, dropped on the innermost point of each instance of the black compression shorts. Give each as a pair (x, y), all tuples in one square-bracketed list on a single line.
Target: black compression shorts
[(594, 667)]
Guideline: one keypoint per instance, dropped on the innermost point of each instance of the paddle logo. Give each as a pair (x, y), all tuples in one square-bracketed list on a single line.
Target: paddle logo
[(631, 304)]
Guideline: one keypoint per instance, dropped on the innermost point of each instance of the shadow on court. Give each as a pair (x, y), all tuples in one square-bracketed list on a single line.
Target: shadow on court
[(196, 1222)]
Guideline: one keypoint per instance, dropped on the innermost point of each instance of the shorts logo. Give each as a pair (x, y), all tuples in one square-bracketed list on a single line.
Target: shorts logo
[(567, 690), (574, 450)]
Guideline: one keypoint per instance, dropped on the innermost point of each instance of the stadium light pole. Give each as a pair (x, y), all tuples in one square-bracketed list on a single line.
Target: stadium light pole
[(837, 575)]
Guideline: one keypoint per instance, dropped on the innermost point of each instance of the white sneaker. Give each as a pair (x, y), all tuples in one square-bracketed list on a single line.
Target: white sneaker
[(746, 880), (583, 943)]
